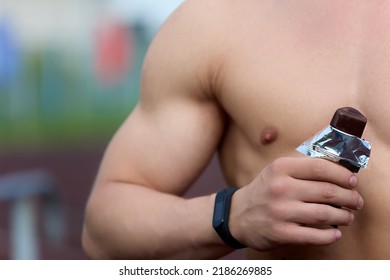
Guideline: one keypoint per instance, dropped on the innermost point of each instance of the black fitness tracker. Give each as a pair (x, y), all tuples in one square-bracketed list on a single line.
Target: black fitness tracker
[(221, 217)]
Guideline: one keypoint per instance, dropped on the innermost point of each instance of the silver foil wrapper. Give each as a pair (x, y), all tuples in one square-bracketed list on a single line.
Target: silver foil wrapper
[(336, 145)]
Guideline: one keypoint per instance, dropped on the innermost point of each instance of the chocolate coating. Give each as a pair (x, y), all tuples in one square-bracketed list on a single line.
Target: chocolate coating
[(349, 120)]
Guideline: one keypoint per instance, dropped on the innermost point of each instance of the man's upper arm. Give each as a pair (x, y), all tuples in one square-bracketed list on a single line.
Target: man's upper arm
[(170, 136)]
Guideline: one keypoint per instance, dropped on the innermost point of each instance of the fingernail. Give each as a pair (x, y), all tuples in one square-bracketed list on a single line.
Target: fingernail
[(361, 203), (338, 234), (353, 181), (352, 219)]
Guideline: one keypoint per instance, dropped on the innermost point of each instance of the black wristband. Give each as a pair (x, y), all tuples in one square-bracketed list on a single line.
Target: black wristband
[(221, 217)]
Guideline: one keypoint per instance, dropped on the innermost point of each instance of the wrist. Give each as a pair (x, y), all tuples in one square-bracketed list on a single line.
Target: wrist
[(235, 219), (221, 218)]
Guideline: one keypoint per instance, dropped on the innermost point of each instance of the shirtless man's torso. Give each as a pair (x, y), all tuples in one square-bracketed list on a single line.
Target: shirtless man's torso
[(288, 66)]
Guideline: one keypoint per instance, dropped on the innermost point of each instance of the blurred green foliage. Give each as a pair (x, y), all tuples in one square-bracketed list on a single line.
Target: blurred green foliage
[(57, 101)]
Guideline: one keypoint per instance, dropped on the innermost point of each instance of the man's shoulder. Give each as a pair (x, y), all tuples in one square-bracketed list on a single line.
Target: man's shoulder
[(187, 45), (200, 15)]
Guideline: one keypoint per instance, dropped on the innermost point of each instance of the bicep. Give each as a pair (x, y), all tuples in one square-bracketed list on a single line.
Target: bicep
[(165, 149)]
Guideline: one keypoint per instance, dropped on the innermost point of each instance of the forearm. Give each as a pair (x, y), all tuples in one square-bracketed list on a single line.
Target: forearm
[(132, 222)]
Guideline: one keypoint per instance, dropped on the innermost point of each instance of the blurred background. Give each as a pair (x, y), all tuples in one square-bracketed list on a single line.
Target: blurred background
[(69, 75)]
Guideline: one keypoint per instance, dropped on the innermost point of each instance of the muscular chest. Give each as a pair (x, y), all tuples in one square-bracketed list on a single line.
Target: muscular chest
[(292, 73)]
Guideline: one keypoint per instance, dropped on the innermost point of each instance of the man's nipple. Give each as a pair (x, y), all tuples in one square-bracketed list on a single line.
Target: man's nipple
[(268, 135)]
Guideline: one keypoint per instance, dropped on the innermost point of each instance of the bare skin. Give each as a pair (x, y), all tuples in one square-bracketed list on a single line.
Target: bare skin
[(251, 80)]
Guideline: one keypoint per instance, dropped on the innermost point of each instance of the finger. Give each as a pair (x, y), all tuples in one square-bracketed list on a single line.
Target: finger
[(327, 193), (320, 214), (301, 235), (323, 170)]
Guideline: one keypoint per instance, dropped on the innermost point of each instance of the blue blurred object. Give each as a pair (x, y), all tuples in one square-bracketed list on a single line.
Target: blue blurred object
[(9, 54)]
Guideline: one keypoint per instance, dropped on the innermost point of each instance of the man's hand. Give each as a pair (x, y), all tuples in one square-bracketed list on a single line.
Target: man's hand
[(289, 203)]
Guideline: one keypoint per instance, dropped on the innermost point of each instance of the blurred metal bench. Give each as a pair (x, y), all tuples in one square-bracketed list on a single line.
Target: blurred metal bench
[(22, 190)]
